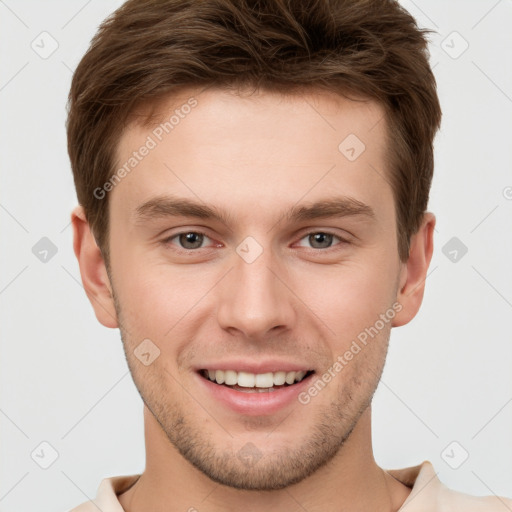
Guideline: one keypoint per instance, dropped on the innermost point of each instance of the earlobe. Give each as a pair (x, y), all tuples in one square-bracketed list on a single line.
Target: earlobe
[(92, 270), (412, 278)]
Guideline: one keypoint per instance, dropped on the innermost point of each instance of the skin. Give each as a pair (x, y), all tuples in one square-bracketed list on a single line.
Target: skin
[(256, 157)]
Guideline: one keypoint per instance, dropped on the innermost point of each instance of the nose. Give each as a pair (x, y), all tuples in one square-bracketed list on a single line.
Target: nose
[(255, 299)]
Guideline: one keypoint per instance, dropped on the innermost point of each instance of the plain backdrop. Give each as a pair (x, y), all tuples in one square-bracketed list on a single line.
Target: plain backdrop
[(446, 393)]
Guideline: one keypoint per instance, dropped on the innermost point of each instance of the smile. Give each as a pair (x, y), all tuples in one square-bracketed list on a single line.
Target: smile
[(255, 382)]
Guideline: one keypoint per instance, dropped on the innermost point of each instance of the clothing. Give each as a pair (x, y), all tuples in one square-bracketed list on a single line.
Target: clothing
[(428, 494)]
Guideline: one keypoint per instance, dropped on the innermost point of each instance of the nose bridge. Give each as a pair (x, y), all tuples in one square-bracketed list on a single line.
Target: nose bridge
[(253, 299)]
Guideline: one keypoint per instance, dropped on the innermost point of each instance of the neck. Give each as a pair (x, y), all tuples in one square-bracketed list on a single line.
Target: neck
[(351, 481)]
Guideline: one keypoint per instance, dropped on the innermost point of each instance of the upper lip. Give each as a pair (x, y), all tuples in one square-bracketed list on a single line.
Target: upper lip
[(256, 367)]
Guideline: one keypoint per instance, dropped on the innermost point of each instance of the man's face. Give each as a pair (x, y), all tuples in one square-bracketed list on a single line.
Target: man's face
[(271, 286)]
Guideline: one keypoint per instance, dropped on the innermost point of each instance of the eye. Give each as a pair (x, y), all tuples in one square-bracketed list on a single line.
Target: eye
[(320, 240), (188, 240)]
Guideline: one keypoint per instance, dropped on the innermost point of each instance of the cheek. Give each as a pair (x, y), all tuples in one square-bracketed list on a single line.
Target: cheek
[(156, 299), (349, 297)]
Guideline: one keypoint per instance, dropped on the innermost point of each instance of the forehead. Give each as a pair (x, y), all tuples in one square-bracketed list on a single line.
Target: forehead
[(231, 147)]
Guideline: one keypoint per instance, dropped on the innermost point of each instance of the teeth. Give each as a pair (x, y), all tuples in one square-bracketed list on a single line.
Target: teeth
[(246, 380), (252, 380), (230, 377), (279, 378), (299, 376), (264, 380)]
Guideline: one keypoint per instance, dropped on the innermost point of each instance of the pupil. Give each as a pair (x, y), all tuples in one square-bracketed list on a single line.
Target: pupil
[(191, 240), (320, 240)]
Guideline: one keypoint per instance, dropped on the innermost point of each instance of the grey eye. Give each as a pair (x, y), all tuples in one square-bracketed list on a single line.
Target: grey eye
[(320, 240), (191, 240)]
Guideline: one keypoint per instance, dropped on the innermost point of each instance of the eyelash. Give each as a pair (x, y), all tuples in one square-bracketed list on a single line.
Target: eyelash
[(168, 240)]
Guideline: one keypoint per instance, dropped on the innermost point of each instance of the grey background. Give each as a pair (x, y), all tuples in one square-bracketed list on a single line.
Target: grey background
[(63, 376)]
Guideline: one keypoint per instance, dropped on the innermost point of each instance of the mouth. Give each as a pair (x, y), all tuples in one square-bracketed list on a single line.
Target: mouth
[(247, 382)]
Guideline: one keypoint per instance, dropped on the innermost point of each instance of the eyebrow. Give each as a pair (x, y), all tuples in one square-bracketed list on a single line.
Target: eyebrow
[(170, 206)]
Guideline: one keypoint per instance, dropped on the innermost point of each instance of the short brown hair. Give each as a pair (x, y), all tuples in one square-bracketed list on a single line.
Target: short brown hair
[(147, 49)]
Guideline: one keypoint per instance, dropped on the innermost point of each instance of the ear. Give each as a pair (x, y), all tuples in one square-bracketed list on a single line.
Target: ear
[(414, 271), (92, 270)]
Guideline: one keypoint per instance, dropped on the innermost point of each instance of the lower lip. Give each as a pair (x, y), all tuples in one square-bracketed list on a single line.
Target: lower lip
[(255, 403)]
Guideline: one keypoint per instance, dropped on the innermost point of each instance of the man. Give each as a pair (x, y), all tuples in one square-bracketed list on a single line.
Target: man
[(253, 181)]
